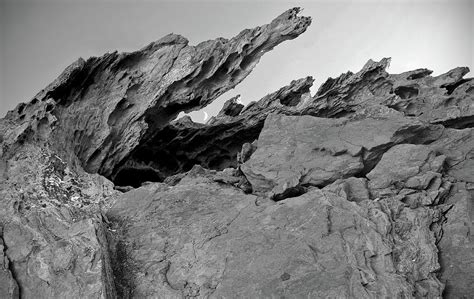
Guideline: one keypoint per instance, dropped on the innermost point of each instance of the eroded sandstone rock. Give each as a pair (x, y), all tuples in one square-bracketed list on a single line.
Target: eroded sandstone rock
[(106, 107), (54, 241), (53, 258), (201, 239), (364, 190), (457, 244), (8, 285), (215, 241), (91, 117), (296, 152), (445, 99), (183, 143)]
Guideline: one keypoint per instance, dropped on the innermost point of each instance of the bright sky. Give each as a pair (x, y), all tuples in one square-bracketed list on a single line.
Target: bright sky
[(39, 38)]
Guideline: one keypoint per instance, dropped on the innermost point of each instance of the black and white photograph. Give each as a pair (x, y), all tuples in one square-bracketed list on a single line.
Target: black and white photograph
[(236, 149)]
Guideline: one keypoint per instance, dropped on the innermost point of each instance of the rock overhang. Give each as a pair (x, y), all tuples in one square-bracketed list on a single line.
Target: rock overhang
[(385, 223), (121, 100)]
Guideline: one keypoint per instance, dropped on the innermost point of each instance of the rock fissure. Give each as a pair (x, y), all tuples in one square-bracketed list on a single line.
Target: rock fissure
[(9, 285)]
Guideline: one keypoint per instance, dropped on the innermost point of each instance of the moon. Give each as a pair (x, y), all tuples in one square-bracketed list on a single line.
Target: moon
[(239, 100), (205, 116)]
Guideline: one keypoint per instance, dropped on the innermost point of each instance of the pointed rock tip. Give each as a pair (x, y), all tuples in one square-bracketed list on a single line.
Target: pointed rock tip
[(383, 63), (295, 24), (290, 14)]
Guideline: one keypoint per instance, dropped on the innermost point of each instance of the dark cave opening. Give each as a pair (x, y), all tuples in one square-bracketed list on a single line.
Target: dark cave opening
[(135, 177), (176, 148), (406, 92), (451, 87)]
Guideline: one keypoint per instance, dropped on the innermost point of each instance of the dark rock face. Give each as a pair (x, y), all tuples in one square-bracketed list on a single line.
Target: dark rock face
[(107, 107), (446, 99), (182, 143), (364, 190)]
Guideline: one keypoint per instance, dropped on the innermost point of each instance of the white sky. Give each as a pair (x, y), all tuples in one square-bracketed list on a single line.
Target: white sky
[(39, 38)]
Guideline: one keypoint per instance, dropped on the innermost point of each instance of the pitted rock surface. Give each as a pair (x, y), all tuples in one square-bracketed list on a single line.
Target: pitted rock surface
[(445, 99), (106, 107), (363, 190)]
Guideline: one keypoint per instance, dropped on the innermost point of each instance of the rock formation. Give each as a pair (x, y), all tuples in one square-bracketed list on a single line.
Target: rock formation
[(363, 190)]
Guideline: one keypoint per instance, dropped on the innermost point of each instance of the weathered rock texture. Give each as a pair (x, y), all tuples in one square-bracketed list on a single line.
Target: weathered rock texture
[(202, 239), (445, 99), (108, 107), (53, 237), (300, 151), (364, 190)]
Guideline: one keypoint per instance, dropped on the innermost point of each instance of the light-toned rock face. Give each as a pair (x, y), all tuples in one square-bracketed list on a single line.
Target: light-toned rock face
[(425, 170), (53, 258), (364, 190), (53, 238), (204, 240), (300, 151)]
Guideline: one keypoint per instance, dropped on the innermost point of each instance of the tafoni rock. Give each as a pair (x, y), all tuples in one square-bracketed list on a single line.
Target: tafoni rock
[(362, 190)]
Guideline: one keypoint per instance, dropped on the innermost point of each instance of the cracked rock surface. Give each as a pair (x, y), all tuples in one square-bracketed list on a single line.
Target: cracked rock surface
[(52, 235), (295, 152), (363, 190), (200, 239)]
